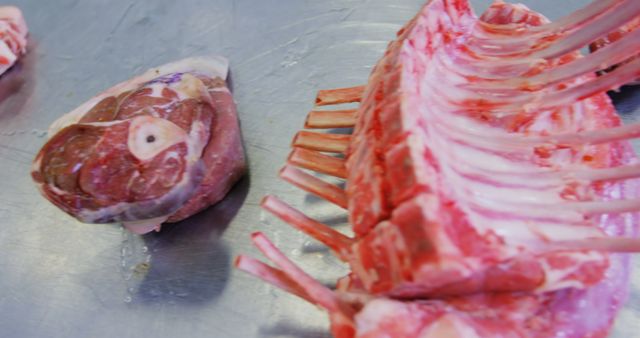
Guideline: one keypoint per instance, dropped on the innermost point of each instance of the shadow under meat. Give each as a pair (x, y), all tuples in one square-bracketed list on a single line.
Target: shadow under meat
[(315, 247), (18, 84), (313, 199), (189, 264), (627, 102), (335, 220), (285, 329)]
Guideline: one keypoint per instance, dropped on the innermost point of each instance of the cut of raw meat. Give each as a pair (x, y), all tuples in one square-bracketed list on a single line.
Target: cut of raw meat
[(13, 36), (568, 313), (487, 169), (159, 147), (461, 215)]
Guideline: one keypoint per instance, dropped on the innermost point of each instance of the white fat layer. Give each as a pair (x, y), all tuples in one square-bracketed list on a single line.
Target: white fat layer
[(190, 86), (197, 141), (213, 66), (149, 136), (457, 156), (221, 89), (521, 231), (560, 278), (368, 319), (378, 312), (144, 226), (450, 326), (8, 54), (156, 89)]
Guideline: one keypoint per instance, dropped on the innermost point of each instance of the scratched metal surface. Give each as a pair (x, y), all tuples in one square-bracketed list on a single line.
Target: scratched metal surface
[(60, 278)]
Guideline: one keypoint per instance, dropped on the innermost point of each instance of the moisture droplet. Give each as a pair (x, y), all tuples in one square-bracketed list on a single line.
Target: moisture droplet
[(145, 249), (127, 299), (141, 269), (264, 218)]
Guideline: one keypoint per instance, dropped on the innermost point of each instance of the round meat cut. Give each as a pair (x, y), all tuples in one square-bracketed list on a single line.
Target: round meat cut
[(160, 147)]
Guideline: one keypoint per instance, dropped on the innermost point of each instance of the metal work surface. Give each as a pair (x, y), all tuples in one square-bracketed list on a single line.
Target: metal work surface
[(61, 278)]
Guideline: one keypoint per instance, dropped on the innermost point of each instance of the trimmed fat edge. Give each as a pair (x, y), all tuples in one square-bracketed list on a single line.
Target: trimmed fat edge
[(213, 66)]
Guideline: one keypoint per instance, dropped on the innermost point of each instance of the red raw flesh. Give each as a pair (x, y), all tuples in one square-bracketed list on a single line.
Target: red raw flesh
[(140, 102), (486, 315), (103, 111), (223, 157), (568, 313), (90, 171)]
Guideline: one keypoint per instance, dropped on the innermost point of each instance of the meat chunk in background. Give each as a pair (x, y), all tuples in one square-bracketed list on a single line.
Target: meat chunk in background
[(13, 36), (159, 147)]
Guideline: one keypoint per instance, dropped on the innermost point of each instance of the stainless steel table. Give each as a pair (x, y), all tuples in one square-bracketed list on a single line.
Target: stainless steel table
[(60, 278)]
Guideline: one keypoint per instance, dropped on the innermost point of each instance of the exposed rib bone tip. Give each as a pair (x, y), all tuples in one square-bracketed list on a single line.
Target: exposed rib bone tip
[(325, 119), (265, 201), (256, 234), (337, 241), (283, 171), (237, 262), (339, 95), (331, 143), (314, 185), (313, 160)]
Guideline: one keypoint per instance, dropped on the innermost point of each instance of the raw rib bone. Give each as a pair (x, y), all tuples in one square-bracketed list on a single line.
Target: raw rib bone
[(466, 169), (554, 314), (485, 157), (630, 28)]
